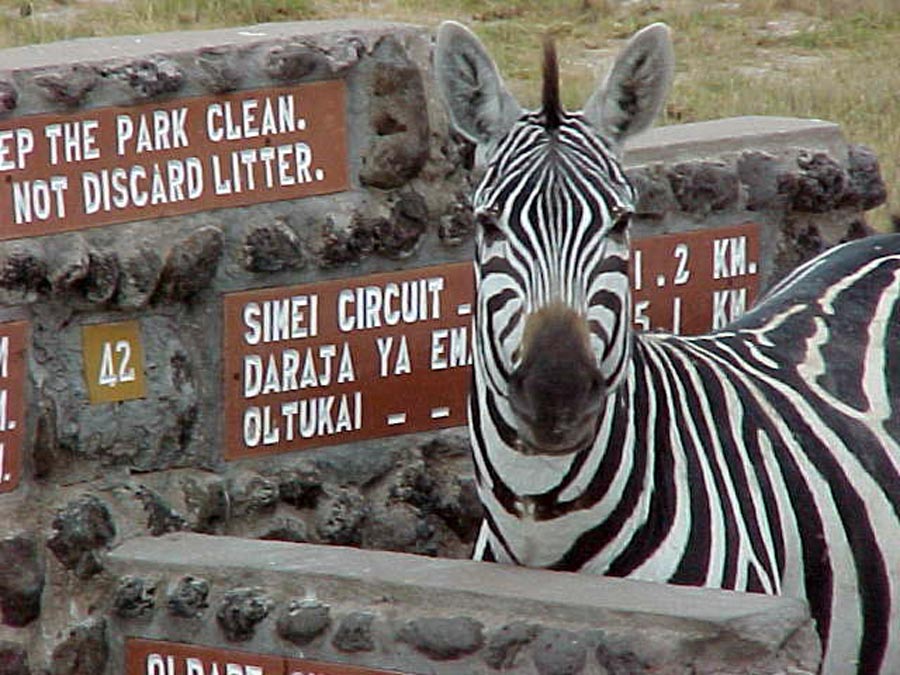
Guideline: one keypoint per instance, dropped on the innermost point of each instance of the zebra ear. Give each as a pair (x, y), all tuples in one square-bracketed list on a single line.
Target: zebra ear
[(480, 107), (636, 87)]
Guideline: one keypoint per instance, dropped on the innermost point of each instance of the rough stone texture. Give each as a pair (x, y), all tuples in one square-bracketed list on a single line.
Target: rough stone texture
[(134, 597), (457, 226), (21, 579), (147, 78), (102, 279), (301, 621), (654, 192), (354, 633), (866, 189), (80, 530), (23, 268), (504, 645), (444, 639), (140, 268), (190, 265), (559, 652), (285, 529), (340, 515), (9, 97), (46, 451), (758, 172), (398, 148), (206, 502), (188, 597), (83, 651), (68, 263), (818, 186), (161, 517), (240, 611), (704, 187), (219, 70), (620, 663), (272, 247), (252, 494), (300, 486), (292, 62), (68, 86), (13, 659)]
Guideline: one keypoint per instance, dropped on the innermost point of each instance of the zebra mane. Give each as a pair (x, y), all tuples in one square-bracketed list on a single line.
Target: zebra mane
[(551, 109)]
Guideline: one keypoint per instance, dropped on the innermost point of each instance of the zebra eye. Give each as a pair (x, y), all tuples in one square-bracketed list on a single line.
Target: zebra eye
[(490, 229), (621, 220)]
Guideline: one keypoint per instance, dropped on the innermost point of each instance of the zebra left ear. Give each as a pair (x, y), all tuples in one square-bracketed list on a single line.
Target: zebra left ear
[(636, 87), (480, 107)]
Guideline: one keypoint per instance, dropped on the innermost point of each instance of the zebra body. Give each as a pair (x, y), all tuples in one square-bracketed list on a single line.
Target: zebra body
[(763, 457)]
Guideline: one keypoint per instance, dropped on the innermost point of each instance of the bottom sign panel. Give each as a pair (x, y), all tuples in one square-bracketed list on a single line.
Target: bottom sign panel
[(13, 338), (154, 657)]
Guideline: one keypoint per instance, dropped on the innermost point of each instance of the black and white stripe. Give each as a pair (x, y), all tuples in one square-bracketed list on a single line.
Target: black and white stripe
[(760, 458), (764, 457)]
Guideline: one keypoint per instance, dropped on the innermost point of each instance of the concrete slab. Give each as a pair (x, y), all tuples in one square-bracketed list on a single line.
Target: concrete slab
[(463, 585), (716, 138)]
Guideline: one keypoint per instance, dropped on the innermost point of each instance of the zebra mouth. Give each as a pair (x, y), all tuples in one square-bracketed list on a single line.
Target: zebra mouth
[(532, 447)]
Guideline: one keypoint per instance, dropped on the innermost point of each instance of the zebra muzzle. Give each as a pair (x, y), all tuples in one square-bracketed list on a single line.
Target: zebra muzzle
[(556, 392)]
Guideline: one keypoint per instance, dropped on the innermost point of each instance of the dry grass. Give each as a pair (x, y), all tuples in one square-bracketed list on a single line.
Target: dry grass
[(829, 59)]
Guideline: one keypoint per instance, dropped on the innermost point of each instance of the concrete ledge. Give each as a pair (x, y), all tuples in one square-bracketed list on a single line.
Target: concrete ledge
[(86, 50), (658, 624), (715, 138)]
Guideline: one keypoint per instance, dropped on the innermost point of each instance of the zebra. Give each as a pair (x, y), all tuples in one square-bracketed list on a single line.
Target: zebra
[(762, 457)]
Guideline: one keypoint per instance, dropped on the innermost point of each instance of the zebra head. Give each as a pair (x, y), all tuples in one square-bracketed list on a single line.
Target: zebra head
[(553, 312)]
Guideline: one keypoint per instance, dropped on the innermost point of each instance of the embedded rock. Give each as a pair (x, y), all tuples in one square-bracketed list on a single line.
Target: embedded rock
[(139, 268), (559, 652), (21, 579), (703, 187), (161, 518), (190, 265), (69, 85), (147, 78), (80, 530), (354, 633), (84, 650), (240, 611), (188, 597), (654, 193), (102, 279), (220, 73), (444, 639), (301, 621), (399, 140), (272, 247), (866, 189), (340, 515), (134, 597), (9, 97), (13, 659), (817, 187), (506, 643), (293, 62)]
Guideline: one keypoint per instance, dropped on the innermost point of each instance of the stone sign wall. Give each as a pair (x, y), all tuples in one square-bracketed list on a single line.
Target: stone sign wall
[(235, 299)]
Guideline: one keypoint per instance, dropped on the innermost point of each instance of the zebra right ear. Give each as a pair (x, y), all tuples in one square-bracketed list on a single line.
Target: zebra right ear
[(480, 107)]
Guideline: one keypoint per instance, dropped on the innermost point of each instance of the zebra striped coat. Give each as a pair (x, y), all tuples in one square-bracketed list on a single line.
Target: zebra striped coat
[(763, 457)]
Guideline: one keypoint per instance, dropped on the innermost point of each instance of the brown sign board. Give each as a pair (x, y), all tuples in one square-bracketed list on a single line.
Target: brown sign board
[(154, 657), (113, 358), (13, 338), (346, 360), (693, 282), (61, 172), (388, 354)]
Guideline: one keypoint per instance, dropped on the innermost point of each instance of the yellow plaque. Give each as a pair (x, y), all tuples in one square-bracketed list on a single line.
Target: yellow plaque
[(113, 361)]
